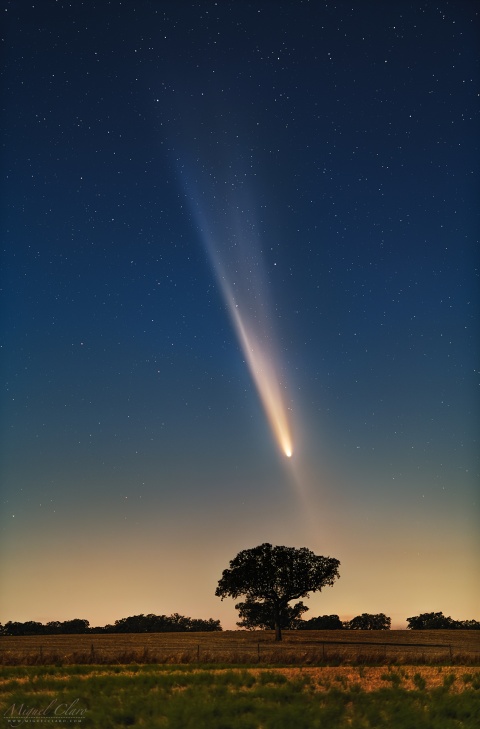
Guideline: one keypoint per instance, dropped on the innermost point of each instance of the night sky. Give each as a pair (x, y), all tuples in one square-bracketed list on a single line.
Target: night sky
[(173, 172)]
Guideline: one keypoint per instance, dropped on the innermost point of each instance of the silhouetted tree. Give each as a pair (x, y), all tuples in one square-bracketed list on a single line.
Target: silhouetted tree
[(179, 623), (133, 624), (205, 626), (162, 624), (365, 621), (108, 628), (260, 615), (54, 627), (322, 622), (438, 621), (77, 625), (140, 624), (276, 575), (29, 628), (469, 625)]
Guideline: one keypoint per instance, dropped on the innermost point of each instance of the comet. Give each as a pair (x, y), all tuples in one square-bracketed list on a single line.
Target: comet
[(261, 364), (237, 263)]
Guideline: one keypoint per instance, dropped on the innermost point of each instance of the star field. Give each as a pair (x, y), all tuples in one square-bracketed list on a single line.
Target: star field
[(327, 153)]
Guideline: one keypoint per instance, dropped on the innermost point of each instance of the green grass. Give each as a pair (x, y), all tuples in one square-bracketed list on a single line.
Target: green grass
[(189, 698)]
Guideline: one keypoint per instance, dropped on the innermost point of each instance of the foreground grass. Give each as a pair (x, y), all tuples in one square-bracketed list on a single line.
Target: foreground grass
[(184, 697)]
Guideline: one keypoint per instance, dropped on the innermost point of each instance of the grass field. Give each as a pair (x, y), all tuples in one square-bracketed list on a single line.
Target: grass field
[(193, 697), (243, 647), (242, 680)]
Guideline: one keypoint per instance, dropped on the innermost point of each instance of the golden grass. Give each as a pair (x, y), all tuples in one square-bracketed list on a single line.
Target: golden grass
[(298, 647), (373, 678), (322, 678)]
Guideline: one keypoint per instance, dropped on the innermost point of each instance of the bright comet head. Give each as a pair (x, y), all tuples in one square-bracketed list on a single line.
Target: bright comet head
[(263, 370), (245, 297)]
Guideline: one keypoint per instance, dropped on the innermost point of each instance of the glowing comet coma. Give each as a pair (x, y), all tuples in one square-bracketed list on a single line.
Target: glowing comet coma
[(264, 375)]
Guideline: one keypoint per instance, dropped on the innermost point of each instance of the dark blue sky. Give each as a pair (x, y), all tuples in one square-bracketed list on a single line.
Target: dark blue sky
[(326, 150)]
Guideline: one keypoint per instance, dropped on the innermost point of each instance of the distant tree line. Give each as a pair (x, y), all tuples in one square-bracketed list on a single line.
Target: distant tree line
[(257, 616), (254, 616), (161, 624), (135, 624), (438, 621), (365, 621), (426, 621), (31, 627)]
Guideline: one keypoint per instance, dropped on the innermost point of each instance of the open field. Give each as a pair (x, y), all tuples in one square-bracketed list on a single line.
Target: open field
[(243, 647), (184, 697)]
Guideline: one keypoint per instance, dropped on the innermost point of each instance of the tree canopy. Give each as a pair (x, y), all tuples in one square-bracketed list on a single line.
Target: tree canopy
[(273, 576), (255, 615), (366, 621), (322, 622), (134, 624), (439, 621)]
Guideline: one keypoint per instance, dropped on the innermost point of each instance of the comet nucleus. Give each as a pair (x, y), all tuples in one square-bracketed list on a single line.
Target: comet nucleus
[(235, 254)]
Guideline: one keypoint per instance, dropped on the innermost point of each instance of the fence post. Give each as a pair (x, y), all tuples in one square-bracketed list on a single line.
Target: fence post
[(198, 653), (92, 652), (451, 655)]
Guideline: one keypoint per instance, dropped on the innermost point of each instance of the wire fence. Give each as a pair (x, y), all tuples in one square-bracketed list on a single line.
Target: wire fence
[(137, 651)]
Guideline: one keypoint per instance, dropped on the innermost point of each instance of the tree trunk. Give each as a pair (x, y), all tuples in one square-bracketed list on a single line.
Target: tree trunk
[(276, 617)]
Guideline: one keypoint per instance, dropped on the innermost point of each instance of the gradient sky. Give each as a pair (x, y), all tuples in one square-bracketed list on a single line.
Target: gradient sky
[(318, 161)]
